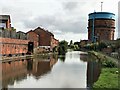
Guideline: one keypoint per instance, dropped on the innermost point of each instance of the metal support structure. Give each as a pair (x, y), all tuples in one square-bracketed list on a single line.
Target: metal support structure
[(93, 29), (101, 6)]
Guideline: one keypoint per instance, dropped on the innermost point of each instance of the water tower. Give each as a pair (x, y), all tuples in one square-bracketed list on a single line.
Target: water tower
[(101, 26)]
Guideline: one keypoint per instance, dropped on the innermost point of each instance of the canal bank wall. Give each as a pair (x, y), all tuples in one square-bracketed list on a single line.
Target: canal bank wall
[(17, 58)]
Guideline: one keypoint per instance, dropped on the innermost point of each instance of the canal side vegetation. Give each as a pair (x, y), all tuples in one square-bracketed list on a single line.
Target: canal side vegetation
[(108, 79), (63, 46), (107, 61), (109, 76), (107, 52)]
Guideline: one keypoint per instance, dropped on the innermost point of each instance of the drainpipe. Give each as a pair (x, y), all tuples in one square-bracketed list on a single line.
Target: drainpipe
[(93, 28)]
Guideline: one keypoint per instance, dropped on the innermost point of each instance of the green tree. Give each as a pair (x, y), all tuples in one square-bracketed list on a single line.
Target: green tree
[(71, 42), (63, 46)]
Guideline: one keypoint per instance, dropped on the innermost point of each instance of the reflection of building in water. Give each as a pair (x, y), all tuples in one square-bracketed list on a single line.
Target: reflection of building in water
[(13, 71), (93, 72), (43, 66), (93, 69), (18, 70)]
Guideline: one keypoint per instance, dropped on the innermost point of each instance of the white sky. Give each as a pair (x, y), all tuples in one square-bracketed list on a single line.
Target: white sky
[(67, 20)]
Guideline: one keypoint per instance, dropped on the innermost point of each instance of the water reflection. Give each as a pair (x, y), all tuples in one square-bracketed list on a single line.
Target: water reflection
[(19, 70), (93, 69), (78, 71), (62, 58)]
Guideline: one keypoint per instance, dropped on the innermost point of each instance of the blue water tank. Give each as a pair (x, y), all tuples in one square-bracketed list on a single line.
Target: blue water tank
[(101, 15)]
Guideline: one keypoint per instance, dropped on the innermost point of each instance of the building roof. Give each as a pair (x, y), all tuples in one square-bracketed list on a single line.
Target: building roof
[(21, 32), (5, 17), (37, 30), (30, 31), (104, 15)]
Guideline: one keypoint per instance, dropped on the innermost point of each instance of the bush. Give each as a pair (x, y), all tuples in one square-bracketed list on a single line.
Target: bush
[(108, 63)]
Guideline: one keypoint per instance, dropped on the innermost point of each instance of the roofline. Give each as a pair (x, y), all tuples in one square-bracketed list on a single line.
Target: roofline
[(101, 13)]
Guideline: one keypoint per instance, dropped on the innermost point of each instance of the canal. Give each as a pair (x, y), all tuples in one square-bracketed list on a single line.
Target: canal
[(74, 70)]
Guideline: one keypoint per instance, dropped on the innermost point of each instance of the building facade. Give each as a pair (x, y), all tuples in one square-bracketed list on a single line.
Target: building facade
[(5, 21), (46, 39), (17, 43), (101, 26), (11, 42), (11, 46), (33, 37)]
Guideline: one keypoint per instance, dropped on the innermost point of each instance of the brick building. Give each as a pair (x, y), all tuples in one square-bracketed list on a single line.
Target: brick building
[(33, 37), (13, 46), (101, 26), (17, 43), (5, 21), (43, 38), (11, 42)]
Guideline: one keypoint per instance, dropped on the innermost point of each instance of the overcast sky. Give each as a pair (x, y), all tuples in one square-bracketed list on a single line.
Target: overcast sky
[(66, 19)]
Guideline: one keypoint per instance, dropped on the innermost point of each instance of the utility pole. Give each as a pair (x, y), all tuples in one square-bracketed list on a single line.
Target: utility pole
[(101, 6)]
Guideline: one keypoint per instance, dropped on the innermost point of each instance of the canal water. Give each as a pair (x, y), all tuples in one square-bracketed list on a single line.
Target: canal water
[(74, 70)]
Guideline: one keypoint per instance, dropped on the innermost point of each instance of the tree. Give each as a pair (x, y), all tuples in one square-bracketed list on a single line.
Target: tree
[(71, 42), (63, 46)]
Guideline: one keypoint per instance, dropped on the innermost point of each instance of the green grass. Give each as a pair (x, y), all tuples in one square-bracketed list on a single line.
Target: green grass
[(108, 79)]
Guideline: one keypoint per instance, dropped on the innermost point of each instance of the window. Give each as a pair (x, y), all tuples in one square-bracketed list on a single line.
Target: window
[(3, 25)]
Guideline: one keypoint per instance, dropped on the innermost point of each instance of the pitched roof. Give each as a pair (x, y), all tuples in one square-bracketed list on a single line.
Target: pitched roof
[(37, 30)]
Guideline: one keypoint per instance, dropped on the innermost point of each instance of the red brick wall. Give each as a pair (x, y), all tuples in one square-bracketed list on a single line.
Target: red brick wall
[(13, 46), (33, 37), (54, 42), (45, 37), (104, 29)]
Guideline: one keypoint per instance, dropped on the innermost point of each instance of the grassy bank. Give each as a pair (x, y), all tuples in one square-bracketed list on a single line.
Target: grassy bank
[(109, 74), (108, 79)]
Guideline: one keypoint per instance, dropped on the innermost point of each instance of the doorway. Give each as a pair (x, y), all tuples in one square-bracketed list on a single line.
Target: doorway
[(30, 47)]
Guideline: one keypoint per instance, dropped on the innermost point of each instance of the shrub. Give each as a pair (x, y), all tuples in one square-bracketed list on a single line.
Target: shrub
[(108, 63)]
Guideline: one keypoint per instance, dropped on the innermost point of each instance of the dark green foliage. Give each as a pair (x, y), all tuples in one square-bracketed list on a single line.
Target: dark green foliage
[(95, 46), (62, 58), (118, 38), (74, 46), (71, 42), (63, 46), (109, 63), (55, 49), (102, 45), (117, 45)]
